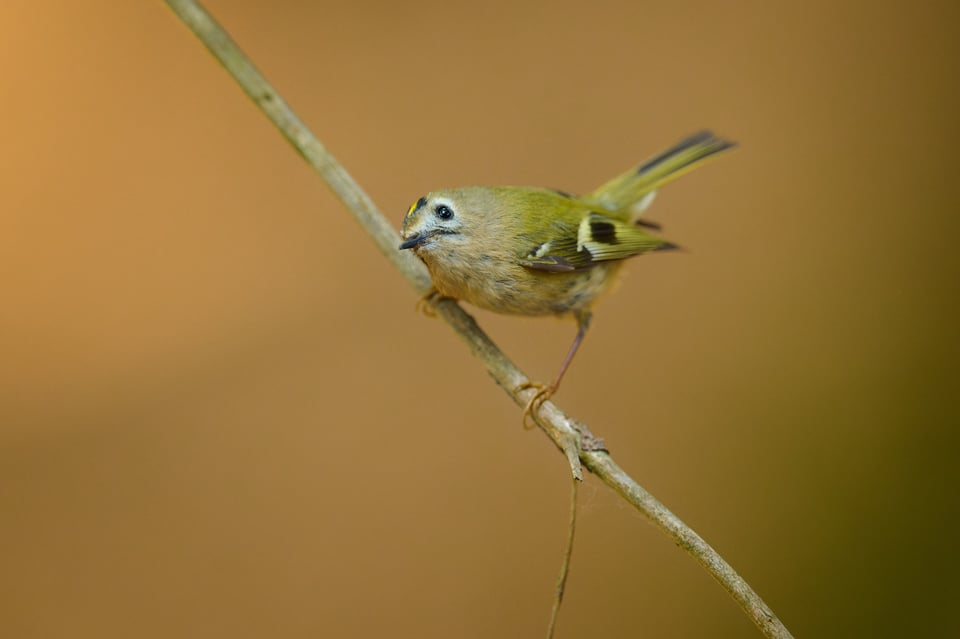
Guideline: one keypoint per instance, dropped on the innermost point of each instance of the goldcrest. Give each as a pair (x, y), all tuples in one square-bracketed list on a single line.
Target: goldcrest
[(534, 251)]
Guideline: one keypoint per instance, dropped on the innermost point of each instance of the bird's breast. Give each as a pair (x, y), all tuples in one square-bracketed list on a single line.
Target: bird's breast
[(503, 286)]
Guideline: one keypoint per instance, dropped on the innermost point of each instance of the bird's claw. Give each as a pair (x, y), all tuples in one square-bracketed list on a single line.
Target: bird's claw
[(425, 303), (530, 411)]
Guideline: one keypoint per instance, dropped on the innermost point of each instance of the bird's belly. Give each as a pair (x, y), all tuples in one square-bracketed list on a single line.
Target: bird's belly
[(522, 291)]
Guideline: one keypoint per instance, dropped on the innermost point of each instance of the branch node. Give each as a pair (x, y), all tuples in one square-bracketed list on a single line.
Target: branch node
[(589, 441)]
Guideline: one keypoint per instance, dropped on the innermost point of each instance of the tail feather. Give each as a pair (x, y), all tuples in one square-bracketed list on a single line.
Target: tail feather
[(626, 190)]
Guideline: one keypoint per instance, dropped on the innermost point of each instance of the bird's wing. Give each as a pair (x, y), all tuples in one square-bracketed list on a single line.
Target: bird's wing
[(573, 243)]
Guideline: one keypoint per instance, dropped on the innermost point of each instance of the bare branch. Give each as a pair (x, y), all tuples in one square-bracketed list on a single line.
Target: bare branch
[(562, 430)]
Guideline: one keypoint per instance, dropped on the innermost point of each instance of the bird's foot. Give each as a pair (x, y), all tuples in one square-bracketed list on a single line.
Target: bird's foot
[(425, 303), (544, 392)]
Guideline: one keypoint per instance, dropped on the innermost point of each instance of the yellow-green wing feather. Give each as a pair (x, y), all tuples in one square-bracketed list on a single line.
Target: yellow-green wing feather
[(588, 239)]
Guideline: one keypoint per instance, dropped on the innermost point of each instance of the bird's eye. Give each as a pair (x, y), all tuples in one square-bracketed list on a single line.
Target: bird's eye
[(444, 212)]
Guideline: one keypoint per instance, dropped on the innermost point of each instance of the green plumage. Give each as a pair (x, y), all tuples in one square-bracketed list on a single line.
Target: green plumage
[(580, 236), (602, 225)]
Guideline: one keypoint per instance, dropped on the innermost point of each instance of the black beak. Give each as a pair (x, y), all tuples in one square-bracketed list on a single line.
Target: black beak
[(416, 240), (420, 238)]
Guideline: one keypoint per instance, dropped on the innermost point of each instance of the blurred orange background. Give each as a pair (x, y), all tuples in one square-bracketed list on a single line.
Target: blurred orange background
[(221, 415)]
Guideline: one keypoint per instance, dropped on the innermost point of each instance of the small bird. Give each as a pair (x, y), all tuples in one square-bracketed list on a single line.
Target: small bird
[(534, 251)]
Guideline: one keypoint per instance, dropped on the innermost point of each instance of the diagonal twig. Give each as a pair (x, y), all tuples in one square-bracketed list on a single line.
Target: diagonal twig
[(563, 431)]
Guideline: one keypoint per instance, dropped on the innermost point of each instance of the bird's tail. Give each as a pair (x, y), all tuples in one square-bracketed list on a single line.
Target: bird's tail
[(633, 191)]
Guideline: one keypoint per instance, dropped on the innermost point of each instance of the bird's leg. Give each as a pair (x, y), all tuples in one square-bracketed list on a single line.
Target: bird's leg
[(546, 392), (425, 303)]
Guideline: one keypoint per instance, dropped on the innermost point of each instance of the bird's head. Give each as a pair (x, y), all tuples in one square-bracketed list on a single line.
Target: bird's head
[(444, 219)]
